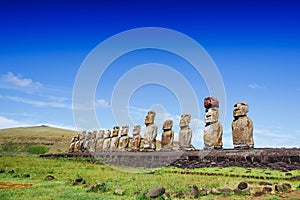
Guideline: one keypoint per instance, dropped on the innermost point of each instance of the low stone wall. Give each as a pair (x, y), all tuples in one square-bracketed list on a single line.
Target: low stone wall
[(283, 159)]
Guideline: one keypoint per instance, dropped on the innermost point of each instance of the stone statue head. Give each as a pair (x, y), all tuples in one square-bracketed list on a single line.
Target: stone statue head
[(82, 135), (211, 115), (88, 136), (100, 134), (185, 120), (107, 133), (136, 130), (94, 134), (240, 109), (116, 130), (150, 117), (211, 102), (124, 130), (168, 124)]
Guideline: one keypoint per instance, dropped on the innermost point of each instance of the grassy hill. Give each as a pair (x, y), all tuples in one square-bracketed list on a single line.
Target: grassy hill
[(21, 139), (36, 131)]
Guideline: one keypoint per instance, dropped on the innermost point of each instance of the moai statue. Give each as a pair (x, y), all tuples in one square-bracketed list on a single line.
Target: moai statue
[(93, 142), (136, 139), (106, 142), (242, 127), (124, 139), (149, 141), (87, 142), (72, 144), (213, 130), (185, 133), (167, 136), (114, 141), (100, 140), (79, 145)]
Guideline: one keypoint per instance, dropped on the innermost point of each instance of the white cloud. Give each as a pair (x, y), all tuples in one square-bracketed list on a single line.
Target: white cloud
[(9, 123), (36, 103), (102, 103), (255, 86), (17, 80)]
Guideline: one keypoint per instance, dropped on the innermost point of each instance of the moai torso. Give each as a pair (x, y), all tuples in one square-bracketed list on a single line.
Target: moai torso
[(114, 141), (72, 144), (136, 139), (93, 142), (100, 140), (213, 129), (242, 127), (124, 139), (185, 133), (106, 142), (167, 136), (150, 133), (87, 142)]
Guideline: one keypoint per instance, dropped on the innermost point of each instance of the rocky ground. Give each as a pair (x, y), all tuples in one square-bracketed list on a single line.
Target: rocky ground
[(284, 159)]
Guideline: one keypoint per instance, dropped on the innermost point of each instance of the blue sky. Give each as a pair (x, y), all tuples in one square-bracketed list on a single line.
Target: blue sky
[(255, 45)]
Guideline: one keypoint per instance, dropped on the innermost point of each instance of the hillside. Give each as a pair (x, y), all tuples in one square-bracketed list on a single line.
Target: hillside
[(36, 131), (19, 140)]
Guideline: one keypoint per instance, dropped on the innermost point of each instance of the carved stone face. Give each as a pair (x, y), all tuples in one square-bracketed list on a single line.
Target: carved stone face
[(240, 109), (211, 115), (94, 134), (107, 133), (185, 120), (168, 124), (116, 130), (210, 102), (82, 135), (88, 136), (150, 117), (124, 130), (136, 130)]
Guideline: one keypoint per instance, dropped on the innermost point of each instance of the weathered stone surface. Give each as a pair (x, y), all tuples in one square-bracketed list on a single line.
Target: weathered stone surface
[(106, 142), (213, 133), (279, 188), (215, 191), (210, 102), (49, 177), (119, 191), (185, 133), (242, 185), (194, 190), (124, 139), (100, 140), (114, 141), (87, 142), (155, 192), (150, 133), (136, 138), (287, 187), (242, 127), (167, 136), (226, 191), (93, 142), (178, 194), (203, 191), (238, 191), (72, 144), (213, 130), (267, 189)]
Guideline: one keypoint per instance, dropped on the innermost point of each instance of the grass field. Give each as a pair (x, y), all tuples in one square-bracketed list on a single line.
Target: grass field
[(19, 155)]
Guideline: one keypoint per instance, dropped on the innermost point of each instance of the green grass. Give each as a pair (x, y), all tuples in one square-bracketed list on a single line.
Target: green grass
[(20, 140), (65, 170)]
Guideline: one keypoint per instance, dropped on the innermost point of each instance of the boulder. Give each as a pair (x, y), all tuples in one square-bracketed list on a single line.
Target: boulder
[(155, 192)]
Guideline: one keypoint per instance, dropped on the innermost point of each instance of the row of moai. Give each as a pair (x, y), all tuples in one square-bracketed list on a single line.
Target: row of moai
[(242, 133)]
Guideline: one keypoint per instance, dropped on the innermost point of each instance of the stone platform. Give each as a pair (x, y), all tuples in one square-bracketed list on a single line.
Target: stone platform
[(283, 159)]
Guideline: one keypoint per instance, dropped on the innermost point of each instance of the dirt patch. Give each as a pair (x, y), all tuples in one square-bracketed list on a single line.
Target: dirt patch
[(4, 185)]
